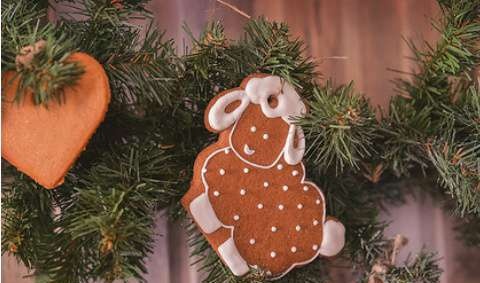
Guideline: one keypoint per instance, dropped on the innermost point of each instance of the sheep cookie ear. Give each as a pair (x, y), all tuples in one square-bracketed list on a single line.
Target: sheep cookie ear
[(225, 109), (295, 145)]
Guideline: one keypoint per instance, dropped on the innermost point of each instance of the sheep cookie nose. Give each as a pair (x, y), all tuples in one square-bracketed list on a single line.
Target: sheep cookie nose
[(247, 150)]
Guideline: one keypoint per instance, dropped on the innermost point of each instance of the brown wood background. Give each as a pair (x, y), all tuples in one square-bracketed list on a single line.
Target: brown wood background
[(368, 33)]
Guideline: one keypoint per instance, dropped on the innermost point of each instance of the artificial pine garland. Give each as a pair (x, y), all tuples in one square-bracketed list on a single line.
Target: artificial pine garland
[(99, 224)]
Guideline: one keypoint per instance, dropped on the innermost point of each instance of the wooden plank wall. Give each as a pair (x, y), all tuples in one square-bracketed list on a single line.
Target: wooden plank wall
[(367, 32)]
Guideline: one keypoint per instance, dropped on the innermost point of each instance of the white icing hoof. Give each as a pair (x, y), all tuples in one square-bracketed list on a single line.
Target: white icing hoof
[(333, 238), (232, 258), (203, 213)]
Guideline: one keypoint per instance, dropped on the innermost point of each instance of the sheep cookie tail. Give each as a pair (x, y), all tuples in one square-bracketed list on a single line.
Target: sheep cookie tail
[(333, 237)]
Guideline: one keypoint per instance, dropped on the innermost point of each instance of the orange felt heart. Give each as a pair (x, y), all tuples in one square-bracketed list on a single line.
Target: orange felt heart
[(44, 142)]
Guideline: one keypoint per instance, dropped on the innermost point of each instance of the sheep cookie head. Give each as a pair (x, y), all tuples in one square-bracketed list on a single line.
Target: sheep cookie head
[(259, 116)]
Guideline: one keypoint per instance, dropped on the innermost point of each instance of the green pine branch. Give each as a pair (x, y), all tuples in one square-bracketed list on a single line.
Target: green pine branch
[(458, 166), (340, 128), (99, 224), (423, 268), (441, 105), (273, 50), (112, 209), (455, 54), (468, 229), (25, 34), (27, 216)]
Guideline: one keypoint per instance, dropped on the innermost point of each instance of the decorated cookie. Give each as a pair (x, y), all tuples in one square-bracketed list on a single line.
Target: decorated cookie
[(249, 195), (44, 141)]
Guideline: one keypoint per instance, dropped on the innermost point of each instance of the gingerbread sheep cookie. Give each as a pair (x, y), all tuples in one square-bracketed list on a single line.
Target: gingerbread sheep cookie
[(249, 195)]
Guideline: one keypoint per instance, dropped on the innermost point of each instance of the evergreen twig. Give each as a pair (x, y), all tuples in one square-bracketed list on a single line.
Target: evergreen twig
[(99, 224)]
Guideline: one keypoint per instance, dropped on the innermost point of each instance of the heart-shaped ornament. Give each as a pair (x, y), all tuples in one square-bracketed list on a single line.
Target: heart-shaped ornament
[(44, 142)]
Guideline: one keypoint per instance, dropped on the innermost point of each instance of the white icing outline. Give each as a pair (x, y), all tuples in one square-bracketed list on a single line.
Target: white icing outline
[(247, 161), (218, 119), (302, 182), (257, 92), (289, 152), (290, 105)]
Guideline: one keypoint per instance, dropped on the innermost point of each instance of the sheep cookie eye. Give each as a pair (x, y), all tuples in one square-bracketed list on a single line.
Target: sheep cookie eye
[(272, 101)]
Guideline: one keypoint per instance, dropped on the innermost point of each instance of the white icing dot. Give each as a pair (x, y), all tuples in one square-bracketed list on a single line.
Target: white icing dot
[(265, 184), (285, 188), (243, 192), (315, 222), (216, 193), (252, 241), (315, 247), (294, 173), (281, 207), (273, 254), (227, 151), (269, 273), (221, 171), (265, 136), (293, 249), (204, 170), (255, 266), (279, 166), (299, 206), (246, 170), (259, 206), (236, 217), (317, 201), (253, 129), (298, 228), (305, 188), (274, 229)]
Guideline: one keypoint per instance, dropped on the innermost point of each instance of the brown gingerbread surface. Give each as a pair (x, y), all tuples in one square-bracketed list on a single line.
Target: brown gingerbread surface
[(44, 142), (274, 216)]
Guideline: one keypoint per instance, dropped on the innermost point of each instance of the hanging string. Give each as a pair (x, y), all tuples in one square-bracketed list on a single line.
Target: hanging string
[(235, 9)]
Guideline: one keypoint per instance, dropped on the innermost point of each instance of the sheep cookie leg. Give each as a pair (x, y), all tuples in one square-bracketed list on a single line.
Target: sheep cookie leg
[(333, 237), (231, 257), (202, 212)]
